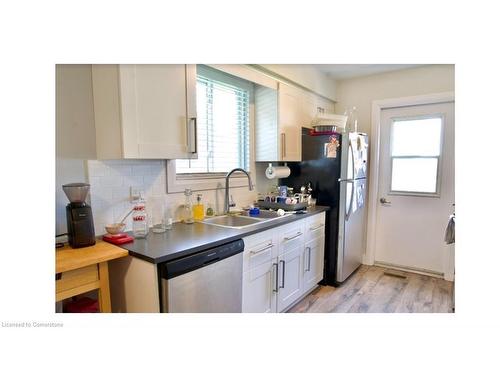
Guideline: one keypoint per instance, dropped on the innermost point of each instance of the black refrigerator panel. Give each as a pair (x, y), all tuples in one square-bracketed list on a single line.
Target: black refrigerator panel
[(323, 173)]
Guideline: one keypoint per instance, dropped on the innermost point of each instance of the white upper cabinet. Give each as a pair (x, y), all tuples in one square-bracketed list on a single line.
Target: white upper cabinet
[(145, 111), (278, 123), (290, 123), (312, 105), (279, 118)]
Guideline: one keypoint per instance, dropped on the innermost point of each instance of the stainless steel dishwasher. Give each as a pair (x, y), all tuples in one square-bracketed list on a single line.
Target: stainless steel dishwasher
[(206, 282)]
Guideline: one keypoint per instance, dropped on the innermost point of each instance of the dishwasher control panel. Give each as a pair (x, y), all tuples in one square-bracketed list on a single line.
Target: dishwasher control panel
[(174, 268)]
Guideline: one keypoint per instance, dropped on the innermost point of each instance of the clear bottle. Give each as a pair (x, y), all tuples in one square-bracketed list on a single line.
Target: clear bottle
[(354, 121), (198, 209), (140, 219), (158, 214), (168, 218), (188, 207)]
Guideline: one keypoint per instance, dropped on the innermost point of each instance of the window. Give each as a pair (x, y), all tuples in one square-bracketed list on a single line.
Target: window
[(223, 105), (415, 155)]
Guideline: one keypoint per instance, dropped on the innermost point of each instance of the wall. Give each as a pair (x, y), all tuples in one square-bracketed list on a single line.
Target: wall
[(74, 121), (111, 180), (307, 76), (362, 91)]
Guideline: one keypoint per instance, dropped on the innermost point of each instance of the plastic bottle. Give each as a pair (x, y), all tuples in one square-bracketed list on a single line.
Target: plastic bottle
[(198, 209)]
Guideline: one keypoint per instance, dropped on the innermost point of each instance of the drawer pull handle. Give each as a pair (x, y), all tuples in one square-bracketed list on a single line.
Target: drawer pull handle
[(293, 237), (316, 227), (283, 275), (255, 252), (275, 268), (309, 260)]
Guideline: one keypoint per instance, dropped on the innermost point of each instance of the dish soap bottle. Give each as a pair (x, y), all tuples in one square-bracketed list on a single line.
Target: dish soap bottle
[(188, 207), (198, 209)]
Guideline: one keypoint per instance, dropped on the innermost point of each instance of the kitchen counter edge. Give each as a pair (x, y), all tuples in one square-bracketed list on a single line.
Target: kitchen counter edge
[(233, 234)]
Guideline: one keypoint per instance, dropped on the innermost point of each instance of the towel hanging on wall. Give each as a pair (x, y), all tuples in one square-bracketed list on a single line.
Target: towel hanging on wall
[(449, 236)]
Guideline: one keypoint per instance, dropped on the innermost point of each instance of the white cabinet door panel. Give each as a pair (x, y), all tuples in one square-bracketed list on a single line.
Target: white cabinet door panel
[(259, 285), (313, 261), (289, 278), (315, 226), (289, 120)]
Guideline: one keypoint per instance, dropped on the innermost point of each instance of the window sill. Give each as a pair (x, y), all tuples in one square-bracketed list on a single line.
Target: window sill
[(201, 181)]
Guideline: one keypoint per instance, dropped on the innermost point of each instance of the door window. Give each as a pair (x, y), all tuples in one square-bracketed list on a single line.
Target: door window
[(415, 155)]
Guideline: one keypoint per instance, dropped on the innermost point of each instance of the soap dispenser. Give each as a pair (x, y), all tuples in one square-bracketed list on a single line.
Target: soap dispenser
[(198, 209)]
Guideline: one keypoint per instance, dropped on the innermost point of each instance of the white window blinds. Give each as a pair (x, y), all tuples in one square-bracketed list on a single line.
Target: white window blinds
[(223, 124)]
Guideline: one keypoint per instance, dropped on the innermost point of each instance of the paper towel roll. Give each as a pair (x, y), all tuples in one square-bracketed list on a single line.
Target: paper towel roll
[(277, 172)]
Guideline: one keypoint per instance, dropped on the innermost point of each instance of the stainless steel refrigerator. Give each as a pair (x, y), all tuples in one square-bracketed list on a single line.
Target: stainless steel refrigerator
[(338, 180)]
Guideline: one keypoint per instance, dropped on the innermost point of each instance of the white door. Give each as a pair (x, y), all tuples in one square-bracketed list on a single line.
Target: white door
[(313, 261), (289, 277), (260, 288), (416, 186)]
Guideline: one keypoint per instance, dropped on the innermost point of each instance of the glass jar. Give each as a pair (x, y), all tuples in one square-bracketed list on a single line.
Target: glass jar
[(168, 218), (157, 209), (140, 219), (187, 214), (210, 210)]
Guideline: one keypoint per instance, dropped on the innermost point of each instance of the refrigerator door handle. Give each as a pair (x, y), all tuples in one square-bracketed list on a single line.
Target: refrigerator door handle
[(348, 213), (352, 160)]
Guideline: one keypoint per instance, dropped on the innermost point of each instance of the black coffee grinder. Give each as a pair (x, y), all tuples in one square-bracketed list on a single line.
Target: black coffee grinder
[(79, 216)]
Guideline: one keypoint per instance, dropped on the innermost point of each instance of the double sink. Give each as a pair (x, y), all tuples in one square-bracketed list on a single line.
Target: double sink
[(243, 219)]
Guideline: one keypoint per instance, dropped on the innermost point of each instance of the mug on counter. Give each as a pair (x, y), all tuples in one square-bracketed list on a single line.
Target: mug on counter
[(283, 190)]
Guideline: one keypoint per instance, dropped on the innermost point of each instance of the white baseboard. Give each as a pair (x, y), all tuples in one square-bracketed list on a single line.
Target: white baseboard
[(420, 271)]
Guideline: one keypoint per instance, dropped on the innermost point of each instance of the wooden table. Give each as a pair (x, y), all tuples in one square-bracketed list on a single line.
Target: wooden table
[(82, 270)]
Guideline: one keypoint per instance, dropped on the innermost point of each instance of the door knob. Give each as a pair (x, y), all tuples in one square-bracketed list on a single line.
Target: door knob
[(384, 201)]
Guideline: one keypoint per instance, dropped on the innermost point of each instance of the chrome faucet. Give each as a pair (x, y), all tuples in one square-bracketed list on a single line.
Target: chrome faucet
[(226, 198)]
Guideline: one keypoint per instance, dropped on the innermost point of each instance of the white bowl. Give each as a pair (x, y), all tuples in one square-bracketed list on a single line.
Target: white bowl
[(115, 228)]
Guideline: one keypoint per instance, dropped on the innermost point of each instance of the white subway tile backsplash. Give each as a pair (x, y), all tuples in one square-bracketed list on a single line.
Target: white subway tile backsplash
[(111, 180), (143, 170)]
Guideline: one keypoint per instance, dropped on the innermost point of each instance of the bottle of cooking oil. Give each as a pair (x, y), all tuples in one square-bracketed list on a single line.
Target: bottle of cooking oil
[(198, 209)]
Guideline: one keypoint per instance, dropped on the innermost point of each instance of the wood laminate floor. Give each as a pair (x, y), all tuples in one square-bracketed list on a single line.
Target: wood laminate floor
[(370, 290)]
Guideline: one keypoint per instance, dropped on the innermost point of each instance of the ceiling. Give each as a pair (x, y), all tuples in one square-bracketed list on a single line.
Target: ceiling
[(344, 71)]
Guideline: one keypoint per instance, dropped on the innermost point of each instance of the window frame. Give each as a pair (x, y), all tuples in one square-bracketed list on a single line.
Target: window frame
[(216, 180), (437, 192)]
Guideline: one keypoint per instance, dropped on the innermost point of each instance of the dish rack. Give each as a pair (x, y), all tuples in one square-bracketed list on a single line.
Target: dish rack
[(284, 206)]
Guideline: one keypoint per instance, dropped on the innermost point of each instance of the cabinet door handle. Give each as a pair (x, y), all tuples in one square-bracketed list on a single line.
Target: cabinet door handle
[(316, 227), (309, 259), (282, 275), (275, 271), (192, 136), (293, 237), (283, 145), (255, 252)]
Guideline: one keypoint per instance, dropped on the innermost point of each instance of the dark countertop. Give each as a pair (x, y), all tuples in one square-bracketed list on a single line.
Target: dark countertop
[(186, 239)]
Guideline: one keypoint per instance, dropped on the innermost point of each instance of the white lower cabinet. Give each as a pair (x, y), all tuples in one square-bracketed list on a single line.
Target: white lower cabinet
[(259, 288), (313, 260), (289, 278), (283, 264)]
